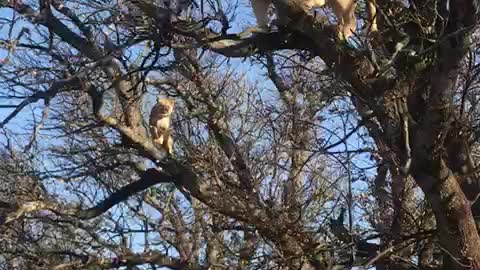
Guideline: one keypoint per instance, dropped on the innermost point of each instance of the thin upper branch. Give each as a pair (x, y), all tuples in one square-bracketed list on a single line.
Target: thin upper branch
[(55, 88)]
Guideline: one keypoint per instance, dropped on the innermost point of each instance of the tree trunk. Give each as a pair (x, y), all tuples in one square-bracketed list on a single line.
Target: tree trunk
[(455, 223)]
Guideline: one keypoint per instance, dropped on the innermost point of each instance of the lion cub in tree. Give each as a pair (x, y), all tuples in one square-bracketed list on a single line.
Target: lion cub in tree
[(160, 123), (344, 10)]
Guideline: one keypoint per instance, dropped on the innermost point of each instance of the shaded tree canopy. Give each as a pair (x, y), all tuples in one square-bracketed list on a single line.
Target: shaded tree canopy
[(292, 150)]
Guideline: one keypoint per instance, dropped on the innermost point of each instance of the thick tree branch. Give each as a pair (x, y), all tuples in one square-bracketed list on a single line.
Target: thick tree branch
[(56, 26), (149, 178)]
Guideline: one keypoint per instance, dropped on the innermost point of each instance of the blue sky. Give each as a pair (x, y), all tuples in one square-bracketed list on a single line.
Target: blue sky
[(255, 73), (243, 19)]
